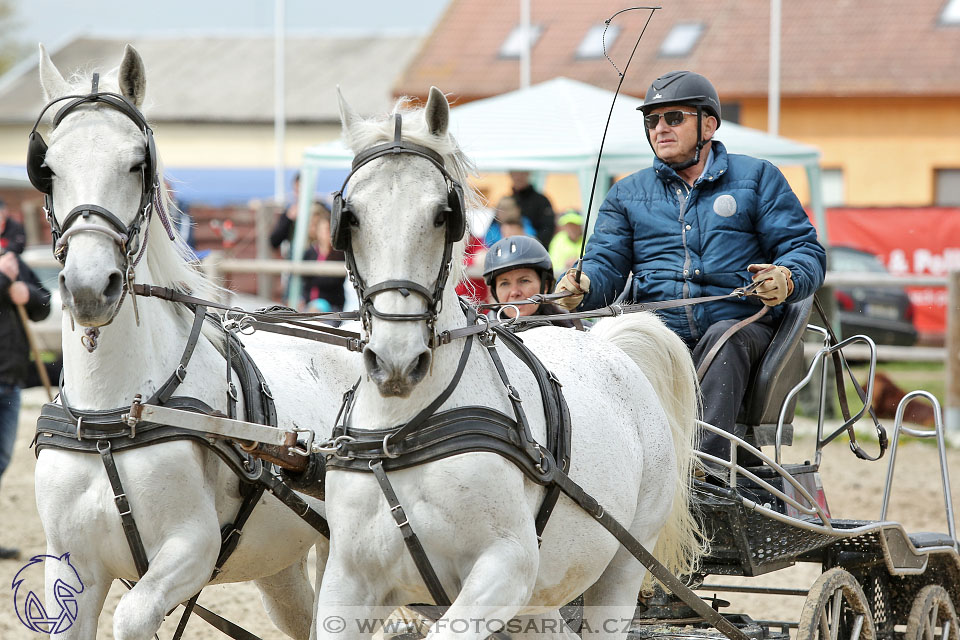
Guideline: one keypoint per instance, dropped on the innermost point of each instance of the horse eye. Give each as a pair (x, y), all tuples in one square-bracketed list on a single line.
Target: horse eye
[(440, 218), (137, 168), (352, 219)]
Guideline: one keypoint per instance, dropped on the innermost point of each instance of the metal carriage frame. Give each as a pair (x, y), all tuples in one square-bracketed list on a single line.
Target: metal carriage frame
[(878, 580)]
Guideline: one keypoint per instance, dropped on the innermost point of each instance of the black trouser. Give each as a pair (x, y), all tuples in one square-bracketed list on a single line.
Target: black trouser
[(725, 382)]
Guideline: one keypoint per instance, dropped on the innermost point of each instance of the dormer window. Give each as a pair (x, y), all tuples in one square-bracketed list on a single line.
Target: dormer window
[(951, 13), (592, 44), (511, 47), (681, 40)]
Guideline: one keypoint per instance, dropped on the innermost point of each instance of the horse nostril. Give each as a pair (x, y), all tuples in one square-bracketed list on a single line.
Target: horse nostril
[(114, 285), (371, 361), (421, 367)]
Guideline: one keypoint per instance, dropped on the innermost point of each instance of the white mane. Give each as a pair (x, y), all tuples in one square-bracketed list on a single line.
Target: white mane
[(367, 132), (169, 262)]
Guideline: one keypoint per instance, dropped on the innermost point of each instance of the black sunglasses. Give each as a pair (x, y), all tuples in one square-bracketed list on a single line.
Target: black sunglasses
[(672, 118)]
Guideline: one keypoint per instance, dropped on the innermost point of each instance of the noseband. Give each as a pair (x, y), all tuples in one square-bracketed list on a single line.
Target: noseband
[(453, 216), (125, 237)]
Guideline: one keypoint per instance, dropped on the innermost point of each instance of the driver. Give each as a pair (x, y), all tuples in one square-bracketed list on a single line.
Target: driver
[(701, 222), (516, 268)]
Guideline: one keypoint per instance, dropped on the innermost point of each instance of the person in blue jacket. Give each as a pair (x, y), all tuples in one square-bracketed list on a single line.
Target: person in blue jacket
[(701, 222)]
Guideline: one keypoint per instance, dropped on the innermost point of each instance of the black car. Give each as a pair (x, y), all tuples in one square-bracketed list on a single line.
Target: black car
[(883, 313)]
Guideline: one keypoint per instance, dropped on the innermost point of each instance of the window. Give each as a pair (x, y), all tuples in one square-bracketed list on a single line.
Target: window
[(592, 44), (951, 13), (681, 39), (730, 112), (511, 47), (834, 194), (947, 188)]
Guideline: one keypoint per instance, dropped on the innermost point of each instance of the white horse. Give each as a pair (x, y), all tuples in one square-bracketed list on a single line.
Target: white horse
[(180, 493), (631, 390)]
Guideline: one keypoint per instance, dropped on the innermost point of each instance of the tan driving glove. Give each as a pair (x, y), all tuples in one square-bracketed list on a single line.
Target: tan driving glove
[(567, 283), (777, 283)]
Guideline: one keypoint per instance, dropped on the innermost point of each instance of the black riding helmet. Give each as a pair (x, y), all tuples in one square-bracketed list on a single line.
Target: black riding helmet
[(683, 88), (517, 252)]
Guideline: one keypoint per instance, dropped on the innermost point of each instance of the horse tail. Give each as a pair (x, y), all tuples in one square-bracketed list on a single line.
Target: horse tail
[(666, 361)]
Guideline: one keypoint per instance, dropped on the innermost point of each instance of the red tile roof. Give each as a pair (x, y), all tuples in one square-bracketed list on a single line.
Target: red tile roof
[(828, 47)]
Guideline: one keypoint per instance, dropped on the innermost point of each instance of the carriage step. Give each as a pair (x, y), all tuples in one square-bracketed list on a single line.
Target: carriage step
[(925, 539)]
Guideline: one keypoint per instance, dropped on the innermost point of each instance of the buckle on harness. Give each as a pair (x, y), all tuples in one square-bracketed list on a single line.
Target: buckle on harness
[(333, 447), (308, 446), (386, 448)]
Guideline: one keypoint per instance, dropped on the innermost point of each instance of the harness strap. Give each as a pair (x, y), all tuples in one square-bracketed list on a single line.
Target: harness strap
[(229, 539), (660, 572), (126, 513), (276, 315), (429, 410), (164, 393), (230, 534), (410, 537), (231, 388), (223, 625), (187, 610), (715, 349), (295, 503), (515, 401), (352, 341)]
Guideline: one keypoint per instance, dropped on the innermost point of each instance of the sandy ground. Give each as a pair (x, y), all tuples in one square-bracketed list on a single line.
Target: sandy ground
[(854, 490)]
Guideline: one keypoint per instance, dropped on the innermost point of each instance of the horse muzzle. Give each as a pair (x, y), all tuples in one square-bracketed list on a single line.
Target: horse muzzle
[(396, 376), (91, 297)]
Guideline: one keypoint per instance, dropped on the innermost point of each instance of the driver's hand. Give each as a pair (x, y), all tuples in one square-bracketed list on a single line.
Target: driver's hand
[(776, 283), (567, 283)]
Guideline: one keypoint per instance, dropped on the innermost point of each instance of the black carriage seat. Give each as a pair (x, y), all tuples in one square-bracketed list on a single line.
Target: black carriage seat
[(780, 369)]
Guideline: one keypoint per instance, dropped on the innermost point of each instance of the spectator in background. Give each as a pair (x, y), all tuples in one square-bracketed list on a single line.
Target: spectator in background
[(508, 218), (472, 286), (565, 246), (18, 286), (12, 236), (322, 293), (283, 228), (534, 206)]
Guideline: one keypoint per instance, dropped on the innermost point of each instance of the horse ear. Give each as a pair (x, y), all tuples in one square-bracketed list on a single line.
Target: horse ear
[(437, 112), (51, 82), (347, 115), (132, 76)]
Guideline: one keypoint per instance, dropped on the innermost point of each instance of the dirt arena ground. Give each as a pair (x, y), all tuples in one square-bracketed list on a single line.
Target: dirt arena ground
[(854, 490)]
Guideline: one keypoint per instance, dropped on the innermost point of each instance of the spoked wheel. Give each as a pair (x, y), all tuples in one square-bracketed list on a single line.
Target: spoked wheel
[(836, 609), (932, 616)]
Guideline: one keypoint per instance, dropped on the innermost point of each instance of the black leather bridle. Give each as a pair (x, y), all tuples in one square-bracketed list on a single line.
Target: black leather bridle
[(453, 217), (126, 237)]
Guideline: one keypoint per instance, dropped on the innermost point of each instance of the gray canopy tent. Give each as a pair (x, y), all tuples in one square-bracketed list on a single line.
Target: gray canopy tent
[(557, 126)]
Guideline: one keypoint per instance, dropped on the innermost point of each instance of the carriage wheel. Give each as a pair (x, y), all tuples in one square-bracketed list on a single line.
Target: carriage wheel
[(932, 616), (836, 609)]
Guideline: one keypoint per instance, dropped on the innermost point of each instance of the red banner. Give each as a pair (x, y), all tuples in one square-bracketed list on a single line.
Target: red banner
[(909, 241)]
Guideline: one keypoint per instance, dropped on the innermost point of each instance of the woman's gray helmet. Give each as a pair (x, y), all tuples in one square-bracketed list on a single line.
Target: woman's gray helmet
[(517, 252), (683, 88)]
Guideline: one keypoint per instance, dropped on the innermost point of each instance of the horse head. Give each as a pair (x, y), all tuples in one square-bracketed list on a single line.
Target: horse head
[(400, 219), (99, 169)]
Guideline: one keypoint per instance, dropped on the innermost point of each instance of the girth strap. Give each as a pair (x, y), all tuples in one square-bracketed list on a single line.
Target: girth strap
[(295, 503), (123, 506), (410, 537)]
